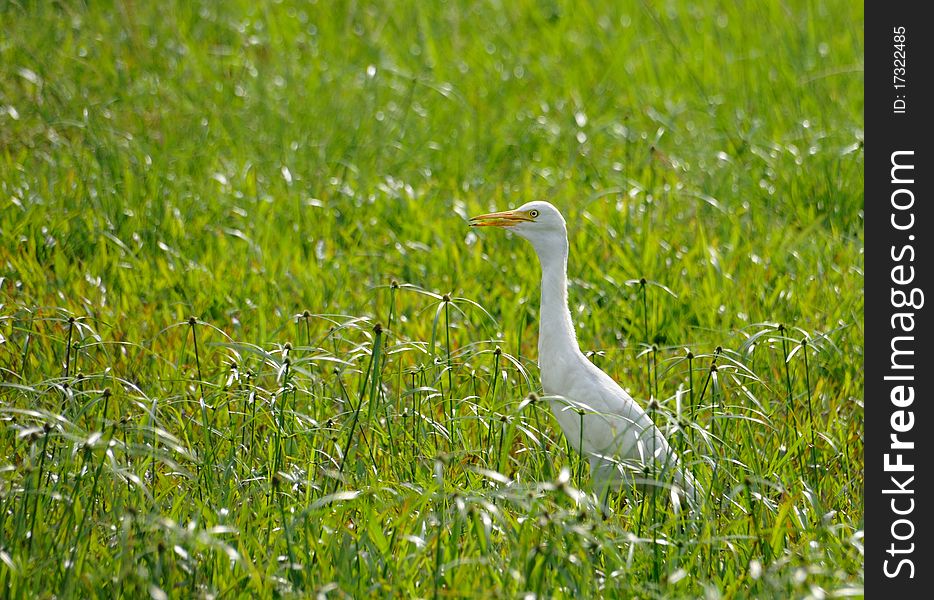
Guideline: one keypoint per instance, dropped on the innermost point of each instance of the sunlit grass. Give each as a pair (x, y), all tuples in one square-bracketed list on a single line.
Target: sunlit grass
[(249, 346)]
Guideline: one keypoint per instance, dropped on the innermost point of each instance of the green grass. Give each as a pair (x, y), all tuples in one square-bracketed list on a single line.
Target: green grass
[(292, 175)]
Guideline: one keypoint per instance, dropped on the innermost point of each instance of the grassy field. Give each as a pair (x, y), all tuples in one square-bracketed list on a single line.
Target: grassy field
[(249, 346)]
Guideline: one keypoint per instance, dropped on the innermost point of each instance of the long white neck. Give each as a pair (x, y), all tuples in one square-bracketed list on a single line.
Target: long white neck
[(556, 335)]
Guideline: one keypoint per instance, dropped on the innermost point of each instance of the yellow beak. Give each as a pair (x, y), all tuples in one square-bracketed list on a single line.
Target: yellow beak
[(507, 218)]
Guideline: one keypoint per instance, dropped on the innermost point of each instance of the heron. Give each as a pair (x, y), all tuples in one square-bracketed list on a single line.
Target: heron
[(600, 420)]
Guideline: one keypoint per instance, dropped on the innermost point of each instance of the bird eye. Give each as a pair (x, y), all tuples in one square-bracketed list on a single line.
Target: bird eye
[(533, 213)]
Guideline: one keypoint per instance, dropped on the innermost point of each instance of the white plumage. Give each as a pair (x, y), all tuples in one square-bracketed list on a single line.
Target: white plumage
[(598, 417)]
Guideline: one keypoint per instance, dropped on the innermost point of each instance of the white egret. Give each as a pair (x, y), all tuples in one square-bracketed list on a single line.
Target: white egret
[(600, 420)]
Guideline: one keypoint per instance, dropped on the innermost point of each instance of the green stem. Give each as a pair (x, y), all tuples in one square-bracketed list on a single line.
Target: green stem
[(38, 490), (205, 423), (807, 383), (71, 325)]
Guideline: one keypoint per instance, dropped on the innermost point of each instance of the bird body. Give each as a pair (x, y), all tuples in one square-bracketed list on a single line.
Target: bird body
[(599, 419)]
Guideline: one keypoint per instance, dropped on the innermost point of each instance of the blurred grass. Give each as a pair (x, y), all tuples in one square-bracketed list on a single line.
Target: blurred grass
[(245, 163)]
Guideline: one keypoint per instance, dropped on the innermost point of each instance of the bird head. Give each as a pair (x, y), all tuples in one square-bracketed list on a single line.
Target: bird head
[(539, 222)]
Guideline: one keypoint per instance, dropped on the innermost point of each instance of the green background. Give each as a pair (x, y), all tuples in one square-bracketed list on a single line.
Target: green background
[(271, 169)]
